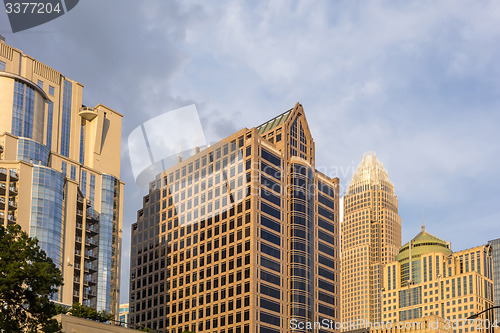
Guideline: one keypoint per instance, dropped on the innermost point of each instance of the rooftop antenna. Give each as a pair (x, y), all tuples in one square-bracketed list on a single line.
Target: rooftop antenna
[(423, 224), (197, 150), (179, 159)]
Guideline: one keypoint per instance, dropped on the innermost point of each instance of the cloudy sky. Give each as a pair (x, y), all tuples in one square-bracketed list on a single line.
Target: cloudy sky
[(416, 82)]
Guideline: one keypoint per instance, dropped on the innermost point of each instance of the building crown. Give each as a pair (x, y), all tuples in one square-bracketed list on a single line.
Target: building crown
[(370, 169)]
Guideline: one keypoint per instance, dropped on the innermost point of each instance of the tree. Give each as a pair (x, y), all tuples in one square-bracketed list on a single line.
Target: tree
[(144, 329), (28, 279), (83, 311)]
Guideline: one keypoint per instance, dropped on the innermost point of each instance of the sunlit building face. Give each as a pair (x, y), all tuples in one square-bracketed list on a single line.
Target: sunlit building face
[(240, 237), (59, 176)]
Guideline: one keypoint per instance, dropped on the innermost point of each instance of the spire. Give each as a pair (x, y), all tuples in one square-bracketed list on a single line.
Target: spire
[(423, 224), (179, 159)]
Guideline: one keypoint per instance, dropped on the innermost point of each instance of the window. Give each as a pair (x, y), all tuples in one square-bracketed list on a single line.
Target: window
[(270, 250), (66, 118), (271, 264), (22, 116), (50, 112), (64, 168), (51, 90), (2, 66)]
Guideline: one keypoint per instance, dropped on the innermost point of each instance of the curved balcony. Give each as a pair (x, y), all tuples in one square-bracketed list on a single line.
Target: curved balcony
[(87, 113)]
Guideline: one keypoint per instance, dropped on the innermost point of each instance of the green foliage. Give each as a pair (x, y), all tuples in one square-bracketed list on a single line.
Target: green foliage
[(82, 311), (144, 329), (28, 278)]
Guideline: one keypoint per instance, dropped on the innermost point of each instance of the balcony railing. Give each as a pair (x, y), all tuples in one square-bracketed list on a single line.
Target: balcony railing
[(14, 174), (88, 113), (92, 215), (13, 190), (92, 229)]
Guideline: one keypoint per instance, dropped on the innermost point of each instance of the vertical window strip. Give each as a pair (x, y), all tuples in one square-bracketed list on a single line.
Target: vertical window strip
[(50, 114), (83, 183), (82, 142), (64, 168), (28, 112), (66, 118), (17, 114)]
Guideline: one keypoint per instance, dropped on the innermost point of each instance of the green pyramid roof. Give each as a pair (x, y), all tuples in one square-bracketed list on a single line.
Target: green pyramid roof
[(423, 243)]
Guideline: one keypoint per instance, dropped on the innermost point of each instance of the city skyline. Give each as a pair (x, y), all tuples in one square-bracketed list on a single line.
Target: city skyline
[(420, 91)]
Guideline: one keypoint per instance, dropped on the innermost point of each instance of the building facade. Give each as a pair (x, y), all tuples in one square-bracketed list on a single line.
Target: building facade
[(495, 246), (60, 176), (439, 282), (124, 311), (240, 237), (371, 237)]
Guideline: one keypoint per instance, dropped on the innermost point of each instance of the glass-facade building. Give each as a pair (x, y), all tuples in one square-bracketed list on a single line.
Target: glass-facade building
[(61, 189), (240, 237)]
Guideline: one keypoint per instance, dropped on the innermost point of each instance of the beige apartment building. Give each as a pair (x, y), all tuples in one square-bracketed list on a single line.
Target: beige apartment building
[(439, 282), (371, 237), (60, 176), (241, 237)]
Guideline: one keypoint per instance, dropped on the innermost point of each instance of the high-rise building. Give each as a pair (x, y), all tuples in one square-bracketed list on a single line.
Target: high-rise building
[(60, 176), (240, 237), (495, 246), (370, 236), (439, 282)]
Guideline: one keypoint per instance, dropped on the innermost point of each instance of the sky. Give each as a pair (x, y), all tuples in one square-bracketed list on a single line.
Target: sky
[(418, 83)]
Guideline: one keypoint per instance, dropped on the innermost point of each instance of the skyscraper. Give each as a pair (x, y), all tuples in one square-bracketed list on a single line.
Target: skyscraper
[(371, 237), (428, 279), (240, 237), (60, 176), (495, 246)]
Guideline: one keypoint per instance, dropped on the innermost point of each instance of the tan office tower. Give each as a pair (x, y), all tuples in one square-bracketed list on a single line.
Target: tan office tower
[(241, 237), (441, 283), (59, 176), (371, 237)]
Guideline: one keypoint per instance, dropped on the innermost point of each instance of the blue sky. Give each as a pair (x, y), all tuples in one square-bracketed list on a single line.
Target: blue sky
[(416, 82)]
